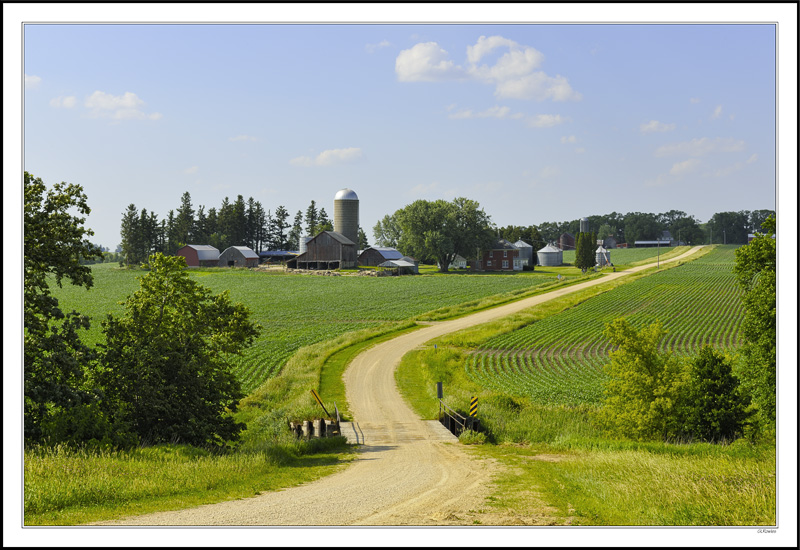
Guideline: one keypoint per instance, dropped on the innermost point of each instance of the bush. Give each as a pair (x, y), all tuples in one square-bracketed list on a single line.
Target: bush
[(470, 437)]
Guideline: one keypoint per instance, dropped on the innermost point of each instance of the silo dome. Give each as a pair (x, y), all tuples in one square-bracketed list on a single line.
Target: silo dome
[(346, 195), (345, 214)]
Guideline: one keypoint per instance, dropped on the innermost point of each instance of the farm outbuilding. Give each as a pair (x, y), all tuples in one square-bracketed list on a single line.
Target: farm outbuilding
[(402, 267), (458, 263), (566, 241), (376, 255), (199, 255), (550, 256), (411, 260), (238, 256), (328, 250), (502, 256)]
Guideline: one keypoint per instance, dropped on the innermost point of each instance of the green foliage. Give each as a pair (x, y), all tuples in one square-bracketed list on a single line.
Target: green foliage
[(437, 231), (166, 364), (645, 388), (56, 241), (585, 246), (756, 274), (716, 409)]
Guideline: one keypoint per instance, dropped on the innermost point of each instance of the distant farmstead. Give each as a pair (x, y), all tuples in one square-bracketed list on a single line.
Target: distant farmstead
[(502, 256), (328, 250), (566, 241), (238, 256), (199, 255)]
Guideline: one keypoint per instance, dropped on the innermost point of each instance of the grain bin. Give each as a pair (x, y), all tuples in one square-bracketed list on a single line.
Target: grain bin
[(602, 256), (525, 252), (304, 244), (550, 255), (345, 214)]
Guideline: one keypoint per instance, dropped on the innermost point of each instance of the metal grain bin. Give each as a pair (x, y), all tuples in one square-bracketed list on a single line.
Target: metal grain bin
[(602, 256), (525, 252), (550, 255)]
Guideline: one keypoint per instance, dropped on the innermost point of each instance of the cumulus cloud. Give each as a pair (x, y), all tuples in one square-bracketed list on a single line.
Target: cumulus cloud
[(701, 147), (513, 74), (685, 167), (753, 158), (191, 170), (659, 181), (656, 126), (122, 107), (728, 170), (549, 172), (243, 137), (329, 157), (32, 81), (694, 100), (717, 112), (545, 121), (426, 61), (373, 47), (569, 139), (492, 112), (67, 102)]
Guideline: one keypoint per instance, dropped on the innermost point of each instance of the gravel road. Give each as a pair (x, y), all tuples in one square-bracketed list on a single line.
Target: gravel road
[(404, 474)]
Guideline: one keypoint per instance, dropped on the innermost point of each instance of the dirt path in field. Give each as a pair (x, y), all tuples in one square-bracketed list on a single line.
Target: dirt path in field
[(406, 472)]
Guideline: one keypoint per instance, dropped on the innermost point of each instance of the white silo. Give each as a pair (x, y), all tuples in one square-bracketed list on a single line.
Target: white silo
[(602, 256), (345, 214)]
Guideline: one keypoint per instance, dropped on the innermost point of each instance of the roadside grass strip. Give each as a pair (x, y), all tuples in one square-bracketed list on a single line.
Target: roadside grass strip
[(559, 359)]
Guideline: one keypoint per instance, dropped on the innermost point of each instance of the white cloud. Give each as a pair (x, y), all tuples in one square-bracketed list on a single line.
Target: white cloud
[(425, 61), (701, 147), (656, 126), (191, 170), (694, 100), (424, 189), (121, 107), (569, 139), (717, 112), (513, 74), (67, 102), (580, 150), (545, 121), (549, 172), (728, 170), (660, 181), (753, 158), (685, 167), (243, 137), (492, 112), (32, 81), (373, 47), (329, 157)]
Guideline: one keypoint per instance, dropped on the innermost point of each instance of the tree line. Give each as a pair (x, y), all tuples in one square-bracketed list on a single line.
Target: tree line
[(721, 228), (237, 223)]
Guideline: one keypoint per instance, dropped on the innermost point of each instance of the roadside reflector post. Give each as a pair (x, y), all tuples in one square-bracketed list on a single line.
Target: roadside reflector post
[(473, 406), (439, 390)]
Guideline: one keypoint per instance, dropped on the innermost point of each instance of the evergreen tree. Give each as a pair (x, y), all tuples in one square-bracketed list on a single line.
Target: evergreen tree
[(363, 243), (296, 232), (129, 231), (280, 228), (324, 223), (184, 222), (312, 219)]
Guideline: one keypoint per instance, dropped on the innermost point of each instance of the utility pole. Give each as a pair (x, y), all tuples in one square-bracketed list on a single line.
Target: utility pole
[(724, 238)]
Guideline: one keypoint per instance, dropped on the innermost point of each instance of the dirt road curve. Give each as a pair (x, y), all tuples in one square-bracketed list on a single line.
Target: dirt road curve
[(404, 474)]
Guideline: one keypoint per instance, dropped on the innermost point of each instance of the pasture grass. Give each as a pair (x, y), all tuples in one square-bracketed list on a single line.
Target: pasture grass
[(66, 486)]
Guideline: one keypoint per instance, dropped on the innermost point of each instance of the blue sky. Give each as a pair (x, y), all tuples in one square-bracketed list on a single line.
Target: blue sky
[(536, 122)]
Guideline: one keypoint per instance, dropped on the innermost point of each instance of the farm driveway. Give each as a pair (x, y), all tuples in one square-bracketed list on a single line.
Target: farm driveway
[(404, 474)]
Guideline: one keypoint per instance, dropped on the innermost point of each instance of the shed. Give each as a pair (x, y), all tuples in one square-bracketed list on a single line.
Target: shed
[(376, 255), (238, 256), (525, 253), (550, 255), (276, 255), (199, 255), (402, 266), (328, 250)]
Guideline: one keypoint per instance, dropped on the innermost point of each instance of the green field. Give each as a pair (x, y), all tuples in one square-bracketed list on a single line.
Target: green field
[(633, 256), (560, 358), (300, 310)]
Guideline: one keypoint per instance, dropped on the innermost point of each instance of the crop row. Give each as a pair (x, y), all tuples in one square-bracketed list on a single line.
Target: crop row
[(560, 358)]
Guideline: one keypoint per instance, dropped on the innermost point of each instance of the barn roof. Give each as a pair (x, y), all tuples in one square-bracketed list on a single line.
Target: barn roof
[(387, 252), (396, 263), (205, 251), (502, 244), (338, 237), (246, 252)]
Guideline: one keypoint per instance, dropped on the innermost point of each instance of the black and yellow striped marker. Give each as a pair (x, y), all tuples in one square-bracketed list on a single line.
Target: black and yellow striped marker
[(473, 406)]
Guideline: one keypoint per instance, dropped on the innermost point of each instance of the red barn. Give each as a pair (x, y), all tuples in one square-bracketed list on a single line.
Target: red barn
[(199, 255)]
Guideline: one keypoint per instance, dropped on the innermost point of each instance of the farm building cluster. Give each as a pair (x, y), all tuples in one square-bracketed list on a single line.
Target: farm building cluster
[(338, 249)]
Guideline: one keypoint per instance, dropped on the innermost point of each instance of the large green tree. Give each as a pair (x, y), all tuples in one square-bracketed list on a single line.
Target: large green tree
[(755, 271), (55, 359), (440, 230), (166, 364)]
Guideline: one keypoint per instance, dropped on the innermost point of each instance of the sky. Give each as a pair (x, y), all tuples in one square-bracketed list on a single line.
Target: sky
[(551, 113), (536, 122)]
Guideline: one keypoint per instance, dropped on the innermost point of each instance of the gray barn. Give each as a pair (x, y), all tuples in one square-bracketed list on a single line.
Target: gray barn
[(238, 256), (328, 250)]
